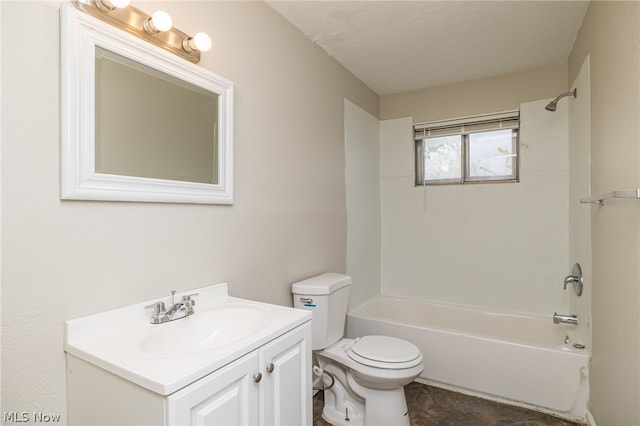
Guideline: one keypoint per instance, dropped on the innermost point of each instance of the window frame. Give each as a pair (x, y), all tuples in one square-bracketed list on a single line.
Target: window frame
[(465, 127)]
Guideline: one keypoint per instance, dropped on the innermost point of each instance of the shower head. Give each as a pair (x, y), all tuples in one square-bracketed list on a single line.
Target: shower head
[(551, 106)]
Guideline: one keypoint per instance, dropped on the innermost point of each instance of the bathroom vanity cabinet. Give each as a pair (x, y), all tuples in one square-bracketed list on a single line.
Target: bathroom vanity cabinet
[(267, 386), (233, 362)]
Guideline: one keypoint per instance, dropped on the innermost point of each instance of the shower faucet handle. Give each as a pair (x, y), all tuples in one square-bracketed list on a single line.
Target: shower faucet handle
[(575, 279), (570, 279)]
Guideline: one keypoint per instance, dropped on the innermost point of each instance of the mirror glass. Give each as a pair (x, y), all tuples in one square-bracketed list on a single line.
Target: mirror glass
[(151, 124), (139, 123)]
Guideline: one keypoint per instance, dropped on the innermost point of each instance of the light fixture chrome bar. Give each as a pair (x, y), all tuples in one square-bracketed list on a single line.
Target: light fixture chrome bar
[(133, 20)]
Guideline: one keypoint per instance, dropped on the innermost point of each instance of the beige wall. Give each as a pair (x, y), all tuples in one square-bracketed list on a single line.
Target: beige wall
[(493, 94), (67, 259), (610, 36)]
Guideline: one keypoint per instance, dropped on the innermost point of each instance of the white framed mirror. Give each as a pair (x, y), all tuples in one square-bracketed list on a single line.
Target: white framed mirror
[(138, 123)]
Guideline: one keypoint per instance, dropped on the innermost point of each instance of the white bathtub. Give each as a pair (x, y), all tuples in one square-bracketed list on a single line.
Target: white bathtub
[(518, 359)]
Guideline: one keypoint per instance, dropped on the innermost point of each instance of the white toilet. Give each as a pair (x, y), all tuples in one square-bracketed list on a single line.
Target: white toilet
[(364, 378)]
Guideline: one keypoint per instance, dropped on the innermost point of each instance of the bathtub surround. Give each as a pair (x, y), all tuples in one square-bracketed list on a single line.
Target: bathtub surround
[(580, 184), (362, 164), (458, 243)]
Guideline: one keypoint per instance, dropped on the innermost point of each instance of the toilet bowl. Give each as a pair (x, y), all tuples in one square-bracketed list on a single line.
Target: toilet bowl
[(363, 378), (376, 379), (379, 362)]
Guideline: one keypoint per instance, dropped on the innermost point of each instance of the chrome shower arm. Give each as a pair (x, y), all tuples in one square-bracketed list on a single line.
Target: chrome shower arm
[(551, 106)]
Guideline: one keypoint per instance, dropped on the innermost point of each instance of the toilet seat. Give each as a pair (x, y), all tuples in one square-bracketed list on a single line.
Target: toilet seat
[(384, 352)]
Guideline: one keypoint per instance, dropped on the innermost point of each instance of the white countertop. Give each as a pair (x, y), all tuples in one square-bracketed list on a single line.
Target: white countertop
[(112, 340)]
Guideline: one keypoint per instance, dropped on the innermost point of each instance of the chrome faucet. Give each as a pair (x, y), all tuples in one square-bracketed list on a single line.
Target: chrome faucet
[(568, 319), (182, 309)]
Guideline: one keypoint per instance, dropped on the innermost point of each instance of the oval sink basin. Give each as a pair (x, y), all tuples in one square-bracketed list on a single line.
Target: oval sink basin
[(204, 330)]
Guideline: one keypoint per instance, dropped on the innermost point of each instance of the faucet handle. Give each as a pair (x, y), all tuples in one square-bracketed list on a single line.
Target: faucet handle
[(188, 303), (158, 312), (575, 279), (570, 279), (187, 298), (157, 307)]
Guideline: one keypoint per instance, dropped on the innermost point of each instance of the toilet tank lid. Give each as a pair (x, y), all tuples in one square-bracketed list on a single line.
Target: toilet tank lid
[(325, 283)]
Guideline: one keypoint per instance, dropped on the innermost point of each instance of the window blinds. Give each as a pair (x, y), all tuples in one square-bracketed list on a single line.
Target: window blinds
[(461, 126)]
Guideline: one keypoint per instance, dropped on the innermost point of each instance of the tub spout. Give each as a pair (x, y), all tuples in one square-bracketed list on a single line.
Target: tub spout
[(569, 319)]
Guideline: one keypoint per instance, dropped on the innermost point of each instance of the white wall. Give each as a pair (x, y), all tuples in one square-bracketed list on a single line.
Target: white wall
[(501, 246), (64, 259), (362, 154)]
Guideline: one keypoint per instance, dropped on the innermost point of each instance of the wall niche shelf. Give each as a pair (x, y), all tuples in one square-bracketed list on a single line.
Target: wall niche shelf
[(599, 199)]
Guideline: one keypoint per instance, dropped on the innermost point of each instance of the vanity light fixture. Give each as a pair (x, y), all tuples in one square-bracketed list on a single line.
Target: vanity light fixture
[(156, 29)]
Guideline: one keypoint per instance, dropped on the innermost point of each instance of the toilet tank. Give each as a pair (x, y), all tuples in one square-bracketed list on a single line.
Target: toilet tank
[(326, 296)]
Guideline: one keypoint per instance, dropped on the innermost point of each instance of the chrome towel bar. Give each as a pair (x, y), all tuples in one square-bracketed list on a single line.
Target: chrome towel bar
[(599, 199)]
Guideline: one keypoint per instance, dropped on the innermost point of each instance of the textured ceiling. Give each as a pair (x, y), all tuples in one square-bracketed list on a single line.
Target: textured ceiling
[(397, 46)]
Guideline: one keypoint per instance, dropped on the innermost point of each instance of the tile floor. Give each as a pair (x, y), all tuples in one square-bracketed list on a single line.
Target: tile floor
[(429, 406)]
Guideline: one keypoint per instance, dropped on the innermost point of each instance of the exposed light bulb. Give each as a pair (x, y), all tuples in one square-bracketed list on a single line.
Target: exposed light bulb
[(160, 21), (200, 41), (110, 5), (120, 3)]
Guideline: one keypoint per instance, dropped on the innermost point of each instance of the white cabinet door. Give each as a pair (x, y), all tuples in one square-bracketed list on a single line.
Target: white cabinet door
[(285, 388), (226, 397), (269, 387)]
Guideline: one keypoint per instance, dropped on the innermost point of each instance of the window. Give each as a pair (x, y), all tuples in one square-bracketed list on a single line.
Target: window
[(474, 149)]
